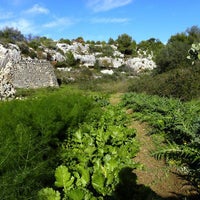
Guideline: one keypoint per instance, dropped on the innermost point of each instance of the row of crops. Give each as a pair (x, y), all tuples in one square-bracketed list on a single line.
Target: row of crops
[(64, 145), (179, 123)]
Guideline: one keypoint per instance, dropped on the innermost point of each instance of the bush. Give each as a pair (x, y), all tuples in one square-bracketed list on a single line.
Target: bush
[(178, 83), (30, 140)]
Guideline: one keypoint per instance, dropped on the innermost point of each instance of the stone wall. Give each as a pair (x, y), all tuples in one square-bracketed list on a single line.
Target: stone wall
[(33, 74)]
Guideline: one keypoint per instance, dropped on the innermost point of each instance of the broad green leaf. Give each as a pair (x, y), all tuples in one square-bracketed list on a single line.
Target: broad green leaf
[(48, 194), (84, 176), (98, 182), (78, 136), (63, 177), (76, 194), (80, 194)]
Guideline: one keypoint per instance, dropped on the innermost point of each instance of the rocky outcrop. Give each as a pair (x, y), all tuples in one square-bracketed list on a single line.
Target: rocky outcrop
[(7, 89), (81, 53), (139, 64), (19, 72)]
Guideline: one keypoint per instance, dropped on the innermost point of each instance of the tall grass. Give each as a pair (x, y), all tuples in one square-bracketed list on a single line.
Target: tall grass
[(31, 132)]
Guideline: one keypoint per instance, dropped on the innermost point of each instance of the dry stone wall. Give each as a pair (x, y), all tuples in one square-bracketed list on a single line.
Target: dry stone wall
[(33, 74)]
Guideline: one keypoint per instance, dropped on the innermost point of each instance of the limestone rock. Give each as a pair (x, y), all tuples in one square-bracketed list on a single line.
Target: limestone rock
[(7, 89), (140, 64)]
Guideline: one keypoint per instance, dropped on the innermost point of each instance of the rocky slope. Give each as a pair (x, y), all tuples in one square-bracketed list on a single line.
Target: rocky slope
[(21, 71)]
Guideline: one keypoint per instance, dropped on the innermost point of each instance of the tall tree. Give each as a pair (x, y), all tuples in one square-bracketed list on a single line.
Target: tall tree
[(125, 44)]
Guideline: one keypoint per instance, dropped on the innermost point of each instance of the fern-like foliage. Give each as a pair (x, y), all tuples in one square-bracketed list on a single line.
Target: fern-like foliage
[(178, 122)]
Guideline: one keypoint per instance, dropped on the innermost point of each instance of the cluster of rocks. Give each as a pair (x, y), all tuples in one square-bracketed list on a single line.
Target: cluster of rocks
[(17, 71), (7, 89), (81, 53)]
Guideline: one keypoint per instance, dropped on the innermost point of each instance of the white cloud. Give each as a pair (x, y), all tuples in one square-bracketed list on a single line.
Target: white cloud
[(37, 9), (105, 5), (59, 22), (23, 25), (109, 20)]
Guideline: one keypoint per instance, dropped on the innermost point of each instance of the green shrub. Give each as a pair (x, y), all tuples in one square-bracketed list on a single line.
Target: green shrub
[(179, 123), (94, 156), (31, 132), (178, 83)]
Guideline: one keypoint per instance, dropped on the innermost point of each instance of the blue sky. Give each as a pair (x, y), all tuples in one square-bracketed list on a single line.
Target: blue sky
[(100, 19)]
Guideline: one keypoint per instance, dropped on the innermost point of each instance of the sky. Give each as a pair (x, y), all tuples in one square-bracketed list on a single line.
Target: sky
[(100, 20)]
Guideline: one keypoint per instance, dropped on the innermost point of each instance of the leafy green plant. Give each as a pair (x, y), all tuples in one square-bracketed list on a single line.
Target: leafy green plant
[(31, 133), (178, 122), (94, 155)]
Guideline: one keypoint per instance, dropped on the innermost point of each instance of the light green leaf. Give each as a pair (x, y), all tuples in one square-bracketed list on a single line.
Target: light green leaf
[(80, 194), (84, 176), (78, 136), (48, 194), (98, 182), (63, 177), (76, 194)]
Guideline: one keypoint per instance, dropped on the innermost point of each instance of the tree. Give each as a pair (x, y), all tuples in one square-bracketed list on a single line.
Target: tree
[(174, 54), (67, 41), (193, 34), (125, 44), (80, 40), (150, 45), (111, 41), (11, 35), (71, 61)]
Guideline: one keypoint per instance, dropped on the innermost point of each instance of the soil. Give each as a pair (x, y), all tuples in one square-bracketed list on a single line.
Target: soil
[(162, 179)]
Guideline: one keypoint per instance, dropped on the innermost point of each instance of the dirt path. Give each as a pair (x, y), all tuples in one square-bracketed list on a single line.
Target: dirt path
[(153, 173)]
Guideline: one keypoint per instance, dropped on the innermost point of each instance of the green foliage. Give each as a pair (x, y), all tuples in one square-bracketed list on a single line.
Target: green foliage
[(111, 41), (107, 50), (172, 56), (125, 44), (95, 48), (31, 132), (151, 46), (48, 194), (70, 60), (180, 124), (11, 35), (178, 83), (63, 178), (94, 155), (67, 41)]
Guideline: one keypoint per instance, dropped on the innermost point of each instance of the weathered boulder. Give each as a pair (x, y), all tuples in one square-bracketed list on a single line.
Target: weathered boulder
[(11, 52), (75, 47), (140, 64), (7, 89), (107, 71), (86, 60)]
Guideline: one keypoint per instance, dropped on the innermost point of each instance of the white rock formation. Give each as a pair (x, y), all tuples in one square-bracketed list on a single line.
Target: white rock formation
[(140, 64), (107, 71), (7, 89), (86, 60), (12, 51)]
